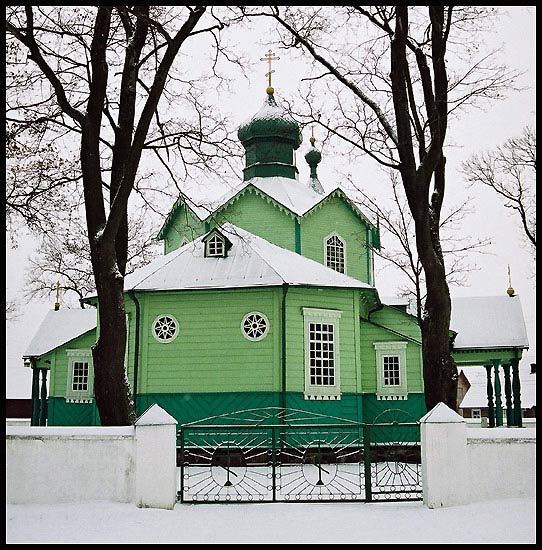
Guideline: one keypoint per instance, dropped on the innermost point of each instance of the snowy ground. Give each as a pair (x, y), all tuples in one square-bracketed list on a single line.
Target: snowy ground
[(502, 521)]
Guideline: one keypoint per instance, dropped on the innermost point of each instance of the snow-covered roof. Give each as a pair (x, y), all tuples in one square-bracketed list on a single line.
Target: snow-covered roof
[(476, 396), (251, 261), (488, 322), (290, 193), (60, 327)]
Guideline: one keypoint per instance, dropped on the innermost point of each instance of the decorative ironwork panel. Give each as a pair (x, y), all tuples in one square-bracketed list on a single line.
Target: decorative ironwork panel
[(276, 454)]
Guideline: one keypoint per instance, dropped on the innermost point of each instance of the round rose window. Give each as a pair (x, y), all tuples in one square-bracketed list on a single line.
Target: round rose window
[(255, 326)]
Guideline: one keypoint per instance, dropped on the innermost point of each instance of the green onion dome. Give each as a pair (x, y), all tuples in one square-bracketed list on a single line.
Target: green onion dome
[(271, 122), (313, 156)]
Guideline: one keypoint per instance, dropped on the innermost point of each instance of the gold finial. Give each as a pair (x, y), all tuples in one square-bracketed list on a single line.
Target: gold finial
[(312, 138), (57, 303), (269, 56), (510, 290)]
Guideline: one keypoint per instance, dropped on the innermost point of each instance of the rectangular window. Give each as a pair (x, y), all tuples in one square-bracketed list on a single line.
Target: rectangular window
[(391, 381), (322, 354), (80, 376), (476, 413), (215, 246), (391, 370), (322, 375)]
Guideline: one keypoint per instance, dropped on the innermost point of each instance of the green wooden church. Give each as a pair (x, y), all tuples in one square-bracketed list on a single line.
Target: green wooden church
[(268, 298)]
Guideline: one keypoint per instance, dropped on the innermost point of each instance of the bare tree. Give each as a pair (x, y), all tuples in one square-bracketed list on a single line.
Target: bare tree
[(397, 227), (510, 170), (97, 75), (64, 256), (386, 70)]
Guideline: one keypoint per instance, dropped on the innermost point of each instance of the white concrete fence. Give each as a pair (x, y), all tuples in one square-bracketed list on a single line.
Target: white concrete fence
[(460, 466), (71, 464), (138, 463)]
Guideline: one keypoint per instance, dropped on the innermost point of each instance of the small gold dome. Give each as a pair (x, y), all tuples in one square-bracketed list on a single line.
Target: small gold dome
[(270, 90), (510, 292)]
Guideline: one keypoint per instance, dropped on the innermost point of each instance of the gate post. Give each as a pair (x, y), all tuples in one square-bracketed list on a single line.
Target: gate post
[(444, 458), (156, 459), (367, 463)]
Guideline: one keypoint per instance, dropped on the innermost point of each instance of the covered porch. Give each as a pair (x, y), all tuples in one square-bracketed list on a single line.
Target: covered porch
[(491, 333)]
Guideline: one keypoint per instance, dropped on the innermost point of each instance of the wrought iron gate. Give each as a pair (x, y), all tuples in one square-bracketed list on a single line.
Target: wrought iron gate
[(275, 454)]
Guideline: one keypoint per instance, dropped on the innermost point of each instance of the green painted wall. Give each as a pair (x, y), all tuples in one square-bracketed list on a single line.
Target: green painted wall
[(210, 354), (183, 226), (371, 333), (256, 214), (335, 215)]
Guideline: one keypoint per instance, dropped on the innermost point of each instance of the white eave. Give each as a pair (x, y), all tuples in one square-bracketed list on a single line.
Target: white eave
[(60, 327)]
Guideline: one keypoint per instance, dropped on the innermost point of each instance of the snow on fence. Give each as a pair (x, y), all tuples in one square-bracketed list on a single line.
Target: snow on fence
[(71, 464), (460, 466)]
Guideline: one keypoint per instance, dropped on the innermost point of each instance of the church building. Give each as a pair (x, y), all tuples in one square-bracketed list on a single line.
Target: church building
[(266, 298)]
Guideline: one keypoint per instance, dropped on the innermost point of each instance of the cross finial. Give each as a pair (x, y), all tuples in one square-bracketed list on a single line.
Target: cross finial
[(57, 303), (269, 56)]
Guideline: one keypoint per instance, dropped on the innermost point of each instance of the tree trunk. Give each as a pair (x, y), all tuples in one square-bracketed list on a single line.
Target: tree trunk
[(111, 386)]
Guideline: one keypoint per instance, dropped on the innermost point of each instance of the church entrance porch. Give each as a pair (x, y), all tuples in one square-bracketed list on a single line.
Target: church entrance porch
[(290, 455)]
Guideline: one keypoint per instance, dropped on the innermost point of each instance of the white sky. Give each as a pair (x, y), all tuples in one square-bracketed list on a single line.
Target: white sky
[(497, 521), (477, 131)]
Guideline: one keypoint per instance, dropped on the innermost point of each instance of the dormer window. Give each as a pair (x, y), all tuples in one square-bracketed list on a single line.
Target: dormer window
[(216, 244), (335, 253)]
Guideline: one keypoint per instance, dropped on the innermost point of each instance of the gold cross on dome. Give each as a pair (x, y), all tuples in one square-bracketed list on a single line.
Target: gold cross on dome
[(269, 56)]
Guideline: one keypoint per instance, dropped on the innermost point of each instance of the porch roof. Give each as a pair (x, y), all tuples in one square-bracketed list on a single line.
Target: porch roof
[(488, 322)]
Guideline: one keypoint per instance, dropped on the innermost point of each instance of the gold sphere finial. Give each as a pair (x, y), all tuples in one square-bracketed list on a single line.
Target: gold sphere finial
[(312, 140), (510, 290), (270, 90)]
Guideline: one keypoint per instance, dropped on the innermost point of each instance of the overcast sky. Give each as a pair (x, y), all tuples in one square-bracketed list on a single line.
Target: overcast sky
[(480, 130)]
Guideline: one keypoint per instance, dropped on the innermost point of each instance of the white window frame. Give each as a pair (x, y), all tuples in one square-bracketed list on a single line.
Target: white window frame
[(219, 253), (262, 336), (326, 263), (80, 356), (394, 349), (177, 328), (329, 317), (478, 412)]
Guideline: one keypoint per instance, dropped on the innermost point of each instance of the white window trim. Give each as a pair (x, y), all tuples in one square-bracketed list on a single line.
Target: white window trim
[(398, 349), (479, 411), (177, 328), (335, 234), (222, 241), (331, 317), (266, 326), (74, 356)]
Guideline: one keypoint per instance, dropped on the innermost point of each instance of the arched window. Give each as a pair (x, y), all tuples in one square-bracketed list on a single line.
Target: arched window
[(335, 253)]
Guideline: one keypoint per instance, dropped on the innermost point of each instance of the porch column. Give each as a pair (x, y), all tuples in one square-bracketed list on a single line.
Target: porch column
[(35, 397), (43, 404), (516, 388), (498, 402), (508, 395), (490, 409)]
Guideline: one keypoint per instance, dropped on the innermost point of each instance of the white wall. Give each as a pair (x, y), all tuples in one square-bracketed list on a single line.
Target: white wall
[(461, 465), (502, 463), (72, 464), (45, 465)]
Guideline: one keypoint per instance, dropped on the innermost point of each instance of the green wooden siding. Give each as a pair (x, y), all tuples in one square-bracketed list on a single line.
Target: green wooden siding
[(184, 226), (257, 215), (336, 216), (210, 354), (371, 333)]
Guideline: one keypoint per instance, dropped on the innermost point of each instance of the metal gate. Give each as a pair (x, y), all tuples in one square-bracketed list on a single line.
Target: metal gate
[(278, 455)]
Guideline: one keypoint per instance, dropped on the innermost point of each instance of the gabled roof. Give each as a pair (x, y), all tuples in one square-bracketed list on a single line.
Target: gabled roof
[(287, 193), (488, 322), (58, 328), (251, 261)]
